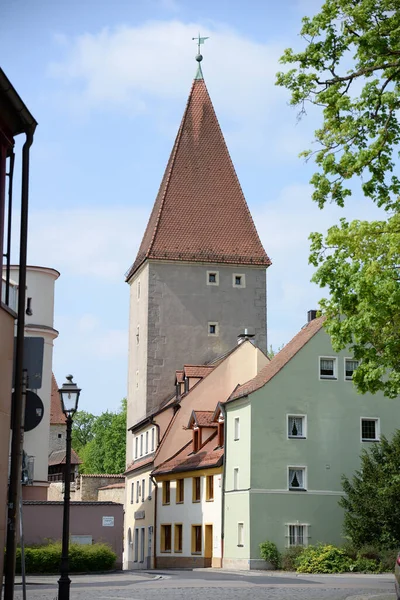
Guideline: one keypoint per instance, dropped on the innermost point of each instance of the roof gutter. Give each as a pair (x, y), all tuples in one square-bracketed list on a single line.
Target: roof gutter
[(27, 123)]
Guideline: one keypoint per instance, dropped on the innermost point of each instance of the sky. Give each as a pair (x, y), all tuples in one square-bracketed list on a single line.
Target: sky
[(108, 83)]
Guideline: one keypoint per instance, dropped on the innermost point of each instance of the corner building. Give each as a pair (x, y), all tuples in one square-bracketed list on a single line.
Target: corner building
[(199, 278)]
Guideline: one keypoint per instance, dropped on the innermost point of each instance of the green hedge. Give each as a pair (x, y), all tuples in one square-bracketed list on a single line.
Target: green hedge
[(82, 558)]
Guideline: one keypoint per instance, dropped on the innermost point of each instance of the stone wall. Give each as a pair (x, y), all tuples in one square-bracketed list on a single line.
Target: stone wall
[(57, 440), (112, 495), (89, 485)]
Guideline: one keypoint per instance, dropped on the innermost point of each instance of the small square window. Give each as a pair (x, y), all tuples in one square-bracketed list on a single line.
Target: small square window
[(212, 278), (212, 328), (59, 436), (370, 430), (236, 478), (350, 366), (297, 477), (236, 428), (239, 280), (327, 368), (297, 535), (296, 426)]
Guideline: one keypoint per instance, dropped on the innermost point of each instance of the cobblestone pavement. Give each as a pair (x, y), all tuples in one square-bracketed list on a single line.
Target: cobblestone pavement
[(204, 585)]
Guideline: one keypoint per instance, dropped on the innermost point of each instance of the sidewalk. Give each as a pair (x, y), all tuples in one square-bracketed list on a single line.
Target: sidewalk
[(134, 577)]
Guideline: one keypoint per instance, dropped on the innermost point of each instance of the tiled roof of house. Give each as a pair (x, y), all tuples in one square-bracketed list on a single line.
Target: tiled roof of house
[(200, 371), (179, 377), (185, 460), (106, 475), (139, 463), (279, 360), (202, 418), (200, 213), (58, 457), (113, 486), (57, 416)]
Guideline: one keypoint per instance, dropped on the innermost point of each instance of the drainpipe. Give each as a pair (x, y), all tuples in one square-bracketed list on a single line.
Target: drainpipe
[(17, 418), (155, 521), (223, 491)]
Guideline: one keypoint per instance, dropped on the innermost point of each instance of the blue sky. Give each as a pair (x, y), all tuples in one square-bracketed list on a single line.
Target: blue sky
[(108, 83)]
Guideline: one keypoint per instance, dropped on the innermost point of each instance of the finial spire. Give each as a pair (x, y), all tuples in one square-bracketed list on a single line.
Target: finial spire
[(199, 57)]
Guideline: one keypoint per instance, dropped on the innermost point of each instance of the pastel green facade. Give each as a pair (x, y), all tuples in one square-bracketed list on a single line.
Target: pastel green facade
[(333, 411)]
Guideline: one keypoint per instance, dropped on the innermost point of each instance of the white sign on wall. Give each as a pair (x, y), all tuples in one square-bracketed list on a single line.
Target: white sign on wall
[(108, 521)]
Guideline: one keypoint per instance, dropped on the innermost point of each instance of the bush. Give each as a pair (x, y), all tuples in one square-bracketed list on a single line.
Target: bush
[(290, 556), (270, 553), (387, 559), (323, 558), (82, 558)]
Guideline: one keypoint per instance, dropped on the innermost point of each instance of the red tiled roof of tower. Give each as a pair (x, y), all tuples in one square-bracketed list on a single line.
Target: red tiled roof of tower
[(280, 359), (200, 213), (200, 371), (204, 418), (57, 416), (185, 460)]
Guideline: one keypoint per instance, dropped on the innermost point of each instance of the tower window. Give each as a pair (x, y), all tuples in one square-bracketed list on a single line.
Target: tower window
[(212, 278), (213, 329), (239, 280)]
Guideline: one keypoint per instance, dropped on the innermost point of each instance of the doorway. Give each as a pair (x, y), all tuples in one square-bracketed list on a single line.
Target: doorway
[(208, 545)]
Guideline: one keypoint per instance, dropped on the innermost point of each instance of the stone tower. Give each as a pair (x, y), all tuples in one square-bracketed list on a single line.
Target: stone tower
[(199, 277)]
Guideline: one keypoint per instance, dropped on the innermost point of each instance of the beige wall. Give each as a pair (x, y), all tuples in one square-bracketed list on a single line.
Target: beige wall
[(112, 495), (6, 367), (144, 509), (88, 485)]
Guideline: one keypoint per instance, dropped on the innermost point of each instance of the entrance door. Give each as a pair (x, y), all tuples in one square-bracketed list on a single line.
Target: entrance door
[(208, 545)]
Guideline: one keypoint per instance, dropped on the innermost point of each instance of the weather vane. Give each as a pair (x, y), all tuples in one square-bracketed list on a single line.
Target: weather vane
[(200, 40)]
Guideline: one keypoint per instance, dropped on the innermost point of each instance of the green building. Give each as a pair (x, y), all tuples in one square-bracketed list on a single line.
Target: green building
[(291, 432)]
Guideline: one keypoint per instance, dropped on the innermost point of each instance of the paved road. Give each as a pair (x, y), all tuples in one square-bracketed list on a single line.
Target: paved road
[(204, 584)]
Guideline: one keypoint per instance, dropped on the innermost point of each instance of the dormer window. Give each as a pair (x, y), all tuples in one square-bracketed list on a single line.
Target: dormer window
[(196, 439), (220, 434)]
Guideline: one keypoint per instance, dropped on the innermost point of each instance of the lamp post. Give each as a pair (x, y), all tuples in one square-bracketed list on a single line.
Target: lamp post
[(69, 394)]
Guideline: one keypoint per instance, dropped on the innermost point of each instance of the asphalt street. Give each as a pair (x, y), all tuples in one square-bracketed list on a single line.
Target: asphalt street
[(204, 584)]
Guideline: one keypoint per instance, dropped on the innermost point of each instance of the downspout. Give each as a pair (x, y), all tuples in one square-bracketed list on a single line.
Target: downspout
[(223, 491), (155, 522), (17, 412)]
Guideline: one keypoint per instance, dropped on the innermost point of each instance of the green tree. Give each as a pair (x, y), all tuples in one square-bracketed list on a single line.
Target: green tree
[(372, 509), (272, 352), (105, 452), (350, 67), (82, 429)]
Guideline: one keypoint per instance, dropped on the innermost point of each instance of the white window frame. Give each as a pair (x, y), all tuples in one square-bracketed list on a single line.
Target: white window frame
[(236, 429), (216, 334), (132, 491), (143, 489), (152, 438), (150, 490), (137, 491), (136, 446), (334, 377), (240, 534), (305, 482), (141, 444), (346, 358), (138, 289), (305, 533), (242, 281), (136, 545), (213, 272), (235, 478), (377, 429), (296, 437), (142, 543), (146, 445)]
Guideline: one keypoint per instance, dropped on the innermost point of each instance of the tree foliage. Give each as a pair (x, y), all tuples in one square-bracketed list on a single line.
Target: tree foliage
[(372, 510), (82, 429), (350, 67), (104, 452)]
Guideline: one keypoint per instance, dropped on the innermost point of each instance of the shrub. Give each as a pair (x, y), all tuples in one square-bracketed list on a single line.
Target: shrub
[(387, 560), (323, 558), (270, 553), (82, 558), (290, 556), (365, 565)]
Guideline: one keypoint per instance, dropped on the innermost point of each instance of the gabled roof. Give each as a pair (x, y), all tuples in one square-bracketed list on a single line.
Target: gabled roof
[(202, 418), (185, 460), (200, 213), (58, 457), (57, 416), (199, 371), (280, 360)]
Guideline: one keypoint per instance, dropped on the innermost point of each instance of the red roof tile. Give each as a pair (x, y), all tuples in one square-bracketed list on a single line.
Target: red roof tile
[(139, 463), (57, 416), (179, 377), (199, 371), (58, 457), (280, 360), (202, 418), (113, 486), (185, 460), (200, 213)]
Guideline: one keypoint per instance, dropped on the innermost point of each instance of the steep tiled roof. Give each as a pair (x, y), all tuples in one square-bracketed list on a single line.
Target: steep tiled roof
[(185, 460), (202, 418), (107, 475), (58, 458), (198, 370), (139, 463), (200, 213), (113, 486), (279, 360), (57, 416), (179, 377)]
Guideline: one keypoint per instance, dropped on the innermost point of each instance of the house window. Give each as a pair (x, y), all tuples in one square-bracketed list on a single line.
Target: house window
[(59, 436), (240, 534), (137, 379), (238, 280), (350, 366), (297, 479), (327, 368), (149, 488), (178, 537), (210, 488), (196, 439), (180, 490), (147, 443), (165, 538), (196, 539), (136, 547), (236, 428), (138, 290), (143, 490), (152, 440), (142, 534), (220, 433), (196, 489), (370, 430), (213, 328), (137, 335), (296, 426), (132, 491), (166, 492), (212, 278), (297, 535), (136, 446), (236, 478), (137, 491), (141, 444)]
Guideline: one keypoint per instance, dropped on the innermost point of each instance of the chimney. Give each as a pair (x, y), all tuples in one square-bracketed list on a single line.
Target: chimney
[(242, 337), (311, 315)]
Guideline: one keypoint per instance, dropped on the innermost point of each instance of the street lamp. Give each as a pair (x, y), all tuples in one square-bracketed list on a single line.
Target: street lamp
[(69, 394)]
